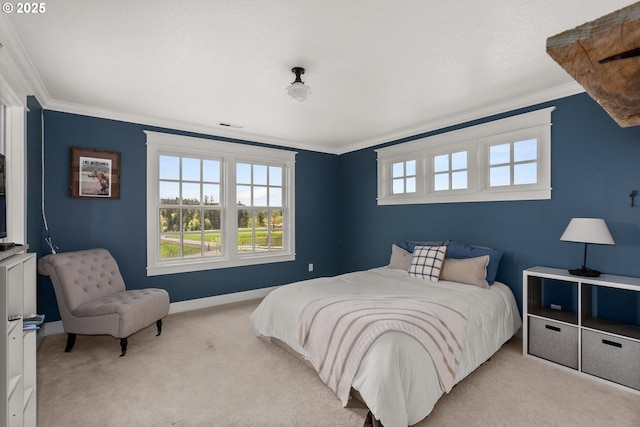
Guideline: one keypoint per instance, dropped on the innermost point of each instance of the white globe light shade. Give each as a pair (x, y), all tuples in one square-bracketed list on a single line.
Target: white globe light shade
[(298, 91)]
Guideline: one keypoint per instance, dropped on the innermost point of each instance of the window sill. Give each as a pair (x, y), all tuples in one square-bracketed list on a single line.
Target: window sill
[(483, 196), (185, 266)]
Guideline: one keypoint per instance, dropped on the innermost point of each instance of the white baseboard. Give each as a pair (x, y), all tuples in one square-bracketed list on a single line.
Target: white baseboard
[(195, 304), (52, 328)]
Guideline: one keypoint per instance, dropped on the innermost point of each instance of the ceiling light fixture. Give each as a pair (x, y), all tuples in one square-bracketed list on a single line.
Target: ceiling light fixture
[(298, 91)]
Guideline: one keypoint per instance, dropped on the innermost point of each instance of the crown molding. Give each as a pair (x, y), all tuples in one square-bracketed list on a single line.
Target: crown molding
[(17, 66), (239, 134), (557, 92), (219, 131)]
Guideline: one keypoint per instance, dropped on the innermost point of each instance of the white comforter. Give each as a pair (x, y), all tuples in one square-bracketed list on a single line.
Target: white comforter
[(396, 377)]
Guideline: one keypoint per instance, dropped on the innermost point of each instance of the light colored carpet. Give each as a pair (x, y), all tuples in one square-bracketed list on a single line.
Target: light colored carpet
[(208, 369)]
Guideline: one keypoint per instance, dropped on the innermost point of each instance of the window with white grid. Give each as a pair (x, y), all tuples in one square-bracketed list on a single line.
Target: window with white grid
[(507, 159), (214, 204)]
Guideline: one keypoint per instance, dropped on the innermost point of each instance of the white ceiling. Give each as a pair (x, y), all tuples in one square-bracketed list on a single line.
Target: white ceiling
[(379, 69)]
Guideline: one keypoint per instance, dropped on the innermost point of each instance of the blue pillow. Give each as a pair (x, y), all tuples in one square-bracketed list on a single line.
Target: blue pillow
[(458, 250), (404, 245), (410, 246)]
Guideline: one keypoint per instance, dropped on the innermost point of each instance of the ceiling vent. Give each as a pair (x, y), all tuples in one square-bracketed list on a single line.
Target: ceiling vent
[(229, 125)]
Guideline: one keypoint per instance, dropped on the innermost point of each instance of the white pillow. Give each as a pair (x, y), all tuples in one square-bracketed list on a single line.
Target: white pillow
[(472, 271), (400, 259), (427, 262)]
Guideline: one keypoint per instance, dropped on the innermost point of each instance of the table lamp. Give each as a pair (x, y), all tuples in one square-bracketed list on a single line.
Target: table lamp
[(587, 230)]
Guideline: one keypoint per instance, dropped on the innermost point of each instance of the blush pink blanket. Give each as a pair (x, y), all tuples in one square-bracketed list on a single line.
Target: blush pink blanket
[(336, 333)]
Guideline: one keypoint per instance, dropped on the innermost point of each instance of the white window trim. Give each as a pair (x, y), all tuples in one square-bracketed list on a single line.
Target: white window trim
[(15, 149), (230, 153), (476, 140)]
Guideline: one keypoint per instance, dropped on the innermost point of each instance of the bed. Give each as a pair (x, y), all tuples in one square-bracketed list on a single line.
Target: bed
[(396, 378)]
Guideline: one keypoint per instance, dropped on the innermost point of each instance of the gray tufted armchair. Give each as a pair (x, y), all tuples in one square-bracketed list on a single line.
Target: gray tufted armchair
[(92, 298)]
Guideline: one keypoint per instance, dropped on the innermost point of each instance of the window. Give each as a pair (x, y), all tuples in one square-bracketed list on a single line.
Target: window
[(404, 177), (508, 159), (513, 163), (450, 171), (259, 194), (190, 207), (214, 204)]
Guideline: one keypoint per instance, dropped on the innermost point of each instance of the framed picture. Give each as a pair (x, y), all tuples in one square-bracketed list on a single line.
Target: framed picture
[(95, 173)]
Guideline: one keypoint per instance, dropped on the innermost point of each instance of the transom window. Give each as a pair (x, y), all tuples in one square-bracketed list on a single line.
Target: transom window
[(214, 204), (513, 163), (450, 171), (404, 177), (507, 159)]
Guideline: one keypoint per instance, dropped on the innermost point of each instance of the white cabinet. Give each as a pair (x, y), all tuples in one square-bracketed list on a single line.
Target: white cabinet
[(18, 292), (578, 333)]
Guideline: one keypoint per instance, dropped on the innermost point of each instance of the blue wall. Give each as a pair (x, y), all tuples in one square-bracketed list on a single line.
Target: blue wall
[(340, 228), (120, 225), (594, 167)]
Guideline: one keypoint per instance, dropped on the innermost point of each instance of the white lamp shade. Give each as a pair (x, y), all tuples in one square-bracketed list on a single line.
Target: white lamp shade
[(298, 91), (587, 230)]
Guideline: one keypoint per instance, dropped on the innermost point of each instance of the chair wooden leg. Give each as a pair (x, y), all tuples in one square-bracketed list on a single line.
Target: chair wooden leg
[(71, 340), (123, 346), (371, 421), (159, 325)]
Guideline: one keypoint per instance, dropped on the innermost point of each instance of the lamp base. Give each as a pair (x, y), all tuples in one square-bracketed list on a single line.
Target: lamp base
[(585, 272)]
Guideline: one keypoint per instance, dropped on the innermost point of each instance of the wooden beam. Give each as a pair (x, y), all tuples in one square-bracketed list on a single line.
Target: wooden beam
[(614, 83)]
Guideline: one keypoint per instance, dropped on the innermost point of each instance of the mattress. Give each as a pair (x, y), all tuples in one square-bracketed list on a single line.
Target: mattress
[(396, 378)]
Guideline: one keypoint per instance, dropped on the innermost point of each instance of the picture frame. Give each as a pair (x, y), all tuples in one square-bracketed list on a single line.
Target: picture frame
[(94, 173)]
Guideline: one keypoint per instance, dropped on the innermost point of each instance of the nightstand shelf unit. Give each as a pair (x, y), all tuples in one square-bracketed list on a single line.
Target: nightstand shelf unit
[(18, 406), (581, 334)]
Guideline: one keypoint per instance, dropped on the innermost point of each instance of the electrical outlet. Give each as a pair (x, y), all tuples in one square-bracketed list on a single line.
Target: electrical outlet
[(310, 266), (556, 307)]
